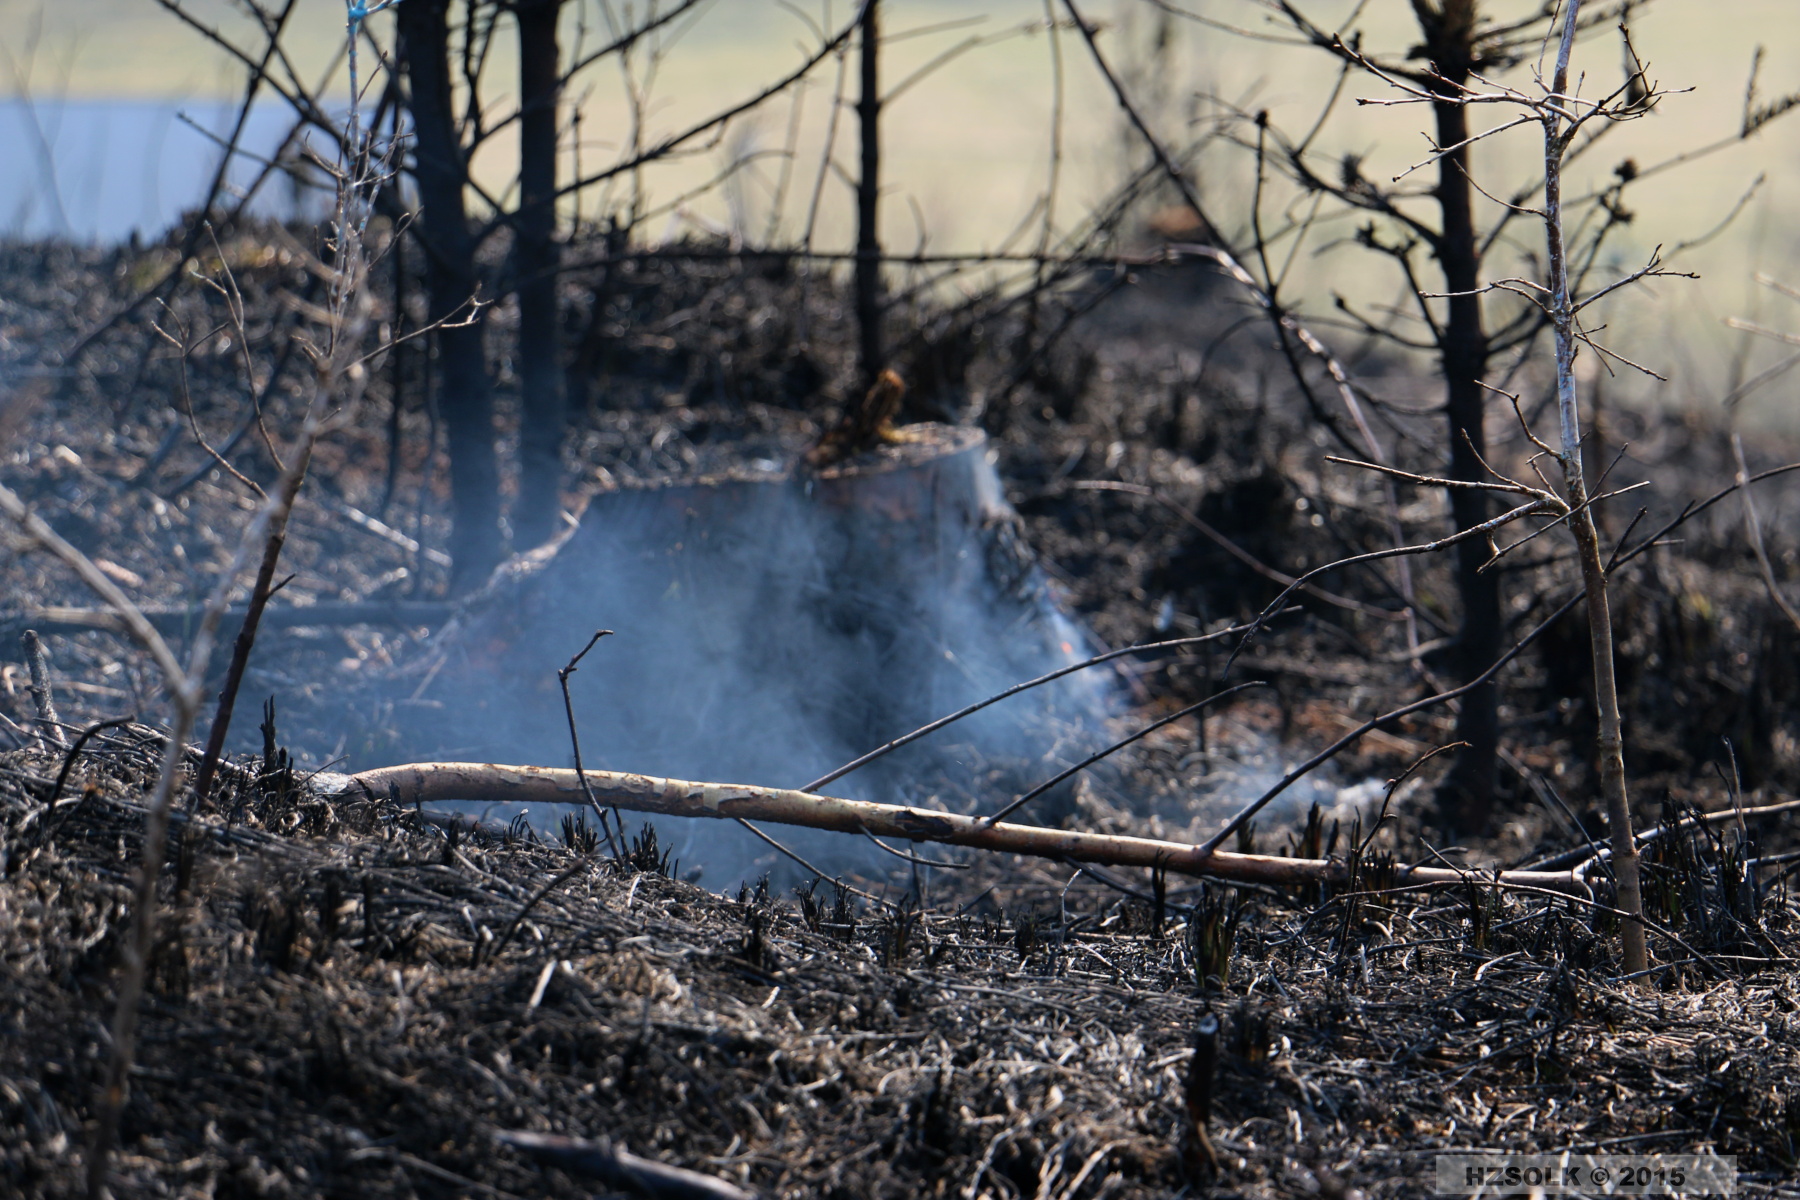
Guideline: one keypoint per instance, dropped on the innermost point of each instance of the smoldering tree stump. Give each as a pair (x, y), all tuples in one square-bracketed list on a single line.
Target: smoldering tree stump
[(770, 626)]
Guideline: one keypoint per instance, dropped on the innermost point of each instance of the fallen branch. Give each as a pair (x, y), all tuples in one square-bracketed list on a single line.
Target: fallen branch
[(1582, 855), (434, 782), (620, 1168)]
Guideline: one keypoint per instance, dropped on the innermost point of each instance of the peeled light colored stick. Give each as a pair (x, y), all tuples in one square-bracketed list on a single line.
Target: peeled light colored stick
[(431, 782)]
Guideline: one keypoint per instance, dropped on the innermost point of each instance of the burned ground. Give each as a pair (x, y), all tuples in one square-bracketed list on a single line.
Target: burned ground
[(350, 1000)]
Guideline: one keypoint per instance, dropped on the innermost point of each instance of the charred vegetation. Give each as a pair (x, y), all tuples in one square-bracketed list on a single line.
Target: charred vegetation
[(1315, 849)]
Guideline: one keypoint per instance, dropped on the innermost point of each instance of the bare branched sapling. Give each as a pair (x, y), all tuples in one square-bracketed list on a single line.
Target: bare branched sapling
[(1562, 116)]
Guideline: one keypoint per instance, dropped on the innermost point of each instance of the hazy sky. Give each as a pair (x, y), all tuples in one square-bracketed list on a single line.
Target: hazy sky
[(968, 151)]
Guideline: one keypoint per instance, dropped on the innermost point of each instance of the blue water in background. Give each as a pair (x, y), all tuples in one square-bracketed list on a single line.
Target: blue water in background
[(98, 171)]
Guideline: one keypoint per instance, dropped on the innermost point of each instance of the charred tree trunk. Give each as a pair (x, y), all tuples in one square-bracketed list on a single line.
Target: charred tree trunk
[(465, 397), (392, 203), (1468, 791), (868, 196), (397, 376), (542, 416)]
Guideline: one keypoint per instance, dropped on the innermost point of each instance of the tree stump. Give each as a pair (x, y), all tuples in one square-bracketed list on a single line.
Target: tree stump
[(771, 626)]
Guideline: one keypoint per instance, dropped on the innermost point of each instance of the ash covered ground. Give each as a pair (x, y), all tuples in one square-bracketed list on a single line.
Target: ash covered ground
[(350, 1000)]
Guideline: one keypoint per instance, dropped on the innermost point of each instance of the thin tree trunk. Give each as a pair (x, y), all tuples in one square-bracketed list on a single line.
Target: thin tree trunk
[(868, 196), (465, 395), (1468, 792), (1587, 537), (246, 634), (542, 414)]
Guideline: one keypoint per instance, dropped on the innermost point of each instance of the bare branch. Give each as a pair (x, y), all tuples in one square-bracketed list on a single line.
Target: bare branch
[(1753, 527), (1652, 271), (434, 782), (133, 619), (1440, 152), (674, 142), (1435, 481)]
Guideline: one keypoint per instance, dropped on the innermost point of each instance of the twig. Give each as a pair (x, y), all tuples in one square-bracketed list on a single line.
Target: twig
[(1620, 558), (537, 897), (914, 859), (42, 697), (1091, 759), (1753, 526), (1275, 606), (934, 726), (1232, 548), (562, 678), (382, 529), (62, 776), (795, 855), (1285, 323), (1281, 785)]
